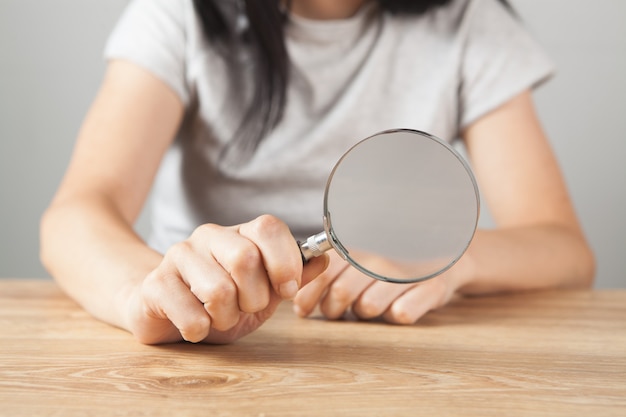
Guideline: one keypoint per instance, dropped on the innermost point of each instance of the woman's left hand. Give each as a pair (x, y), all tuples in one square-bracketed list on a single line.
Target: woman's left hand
[(341, 288)]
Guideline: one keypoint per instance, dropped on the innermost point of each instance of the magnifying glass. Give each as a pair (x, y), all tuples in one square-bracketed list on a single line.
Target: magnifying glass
[(400, 206)]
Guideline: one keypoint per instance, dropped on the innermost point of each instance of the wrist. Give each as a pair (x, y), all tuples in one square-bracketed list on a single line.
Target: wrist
[(125, 303)]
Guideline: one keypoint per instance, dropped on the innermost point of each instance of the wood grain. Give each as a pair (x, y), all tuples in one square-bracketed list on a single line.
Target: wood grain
[(539, 354)]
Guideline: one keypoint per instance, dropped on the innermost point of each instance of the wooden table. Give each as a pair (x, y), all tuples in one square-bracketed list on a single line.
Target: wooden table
[(535, 354)]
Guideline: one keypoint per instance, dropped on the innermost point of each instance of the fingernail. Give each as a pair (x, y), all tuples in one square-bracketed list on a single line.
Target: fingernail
[(299, 312), (288, 290)]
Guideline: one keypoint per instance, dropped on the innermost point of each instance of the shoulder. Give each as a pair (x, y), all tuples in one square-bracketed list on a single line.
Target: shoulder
[(156, 34), (164, 19)]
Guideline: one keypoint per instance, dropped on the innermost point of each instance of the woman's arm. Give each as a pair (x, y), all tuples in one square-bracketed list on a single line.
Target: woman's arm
[(537, 242), (218, 285), (87, 239)]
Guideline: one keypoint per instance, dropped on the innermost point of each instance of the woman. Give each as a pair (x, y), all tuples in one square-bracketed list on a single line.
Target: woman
[(234, 112)]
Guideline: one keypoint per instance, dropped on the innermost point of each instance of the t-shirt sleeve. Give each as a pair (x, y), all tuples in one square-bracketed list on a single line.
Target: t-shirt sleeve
[(500, 59), (151, 34)]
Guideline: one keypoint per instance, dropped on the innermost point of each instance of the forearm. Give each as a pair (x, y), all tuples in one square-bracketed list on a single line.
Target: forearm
[(526, 258), (94, 255)]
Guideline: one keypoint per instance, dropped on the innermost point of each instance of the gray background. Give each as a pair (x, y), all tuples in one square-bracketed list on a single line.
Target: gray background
[(50, 67)]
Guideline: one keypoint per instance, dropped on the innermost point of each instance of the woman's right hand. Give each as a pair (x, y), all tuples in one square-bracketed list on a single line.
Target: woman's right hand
[(220, 284)]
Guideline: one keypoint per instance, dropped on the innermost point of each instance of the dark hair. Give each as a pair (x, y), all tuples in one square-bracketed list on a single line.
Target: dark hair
[(259, 27)]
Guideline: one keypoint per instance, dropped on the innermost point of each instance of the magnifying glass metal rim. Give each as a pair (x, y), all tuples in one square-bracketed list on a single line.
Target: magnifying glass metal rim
[(323, 241)]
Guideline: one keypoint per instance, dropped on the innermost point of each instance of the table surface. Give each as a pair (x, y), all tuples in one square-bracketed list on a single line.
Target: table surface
[(539, 354)]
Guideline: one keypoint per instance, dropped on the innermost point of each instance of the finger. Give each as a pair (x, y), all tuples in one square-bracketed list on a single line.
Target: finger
[(343, 292), (377, 298), (212, 286), (419, 300), (166, 296), (310, 294), (279, 253), (241, 260), (314, 268)]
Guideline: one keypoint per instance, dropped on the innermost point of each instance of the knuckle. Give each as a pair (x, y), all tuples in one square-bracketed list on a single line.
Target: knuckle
[(268, 221), (217, 295), (340, 293), (157, 284), (268, 225), (178, 252), (204, 230), (246, 256)]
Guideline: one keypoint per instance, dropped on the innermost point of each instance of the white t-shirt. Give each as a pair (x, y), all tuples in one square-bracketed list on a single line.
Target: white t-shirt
[(350, 78)]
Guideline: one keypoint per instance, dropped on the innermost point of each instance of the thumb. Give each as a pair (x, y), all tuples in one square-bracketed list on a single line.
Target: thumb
[(310, 270), (314, 268)]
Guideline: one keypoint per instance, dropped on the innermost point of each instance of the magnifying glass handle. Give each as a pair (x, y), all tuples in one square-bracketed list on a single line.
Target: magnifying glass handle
[(314, 246)]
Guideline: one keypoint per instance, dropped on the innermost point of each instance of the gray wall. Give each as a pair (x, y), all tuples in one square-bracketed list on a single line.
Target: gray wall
[(50, 68)]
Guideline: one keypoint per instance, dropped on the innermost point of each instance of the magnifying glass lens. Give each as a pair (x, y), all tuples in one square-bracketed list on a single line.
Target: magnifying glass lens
[(401, 206)]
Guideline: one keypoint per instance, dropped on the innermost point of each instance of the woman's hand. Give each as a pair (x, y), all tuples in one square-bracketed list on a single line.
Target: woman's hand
[(341, 288), (220, 284), (537, 242)]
